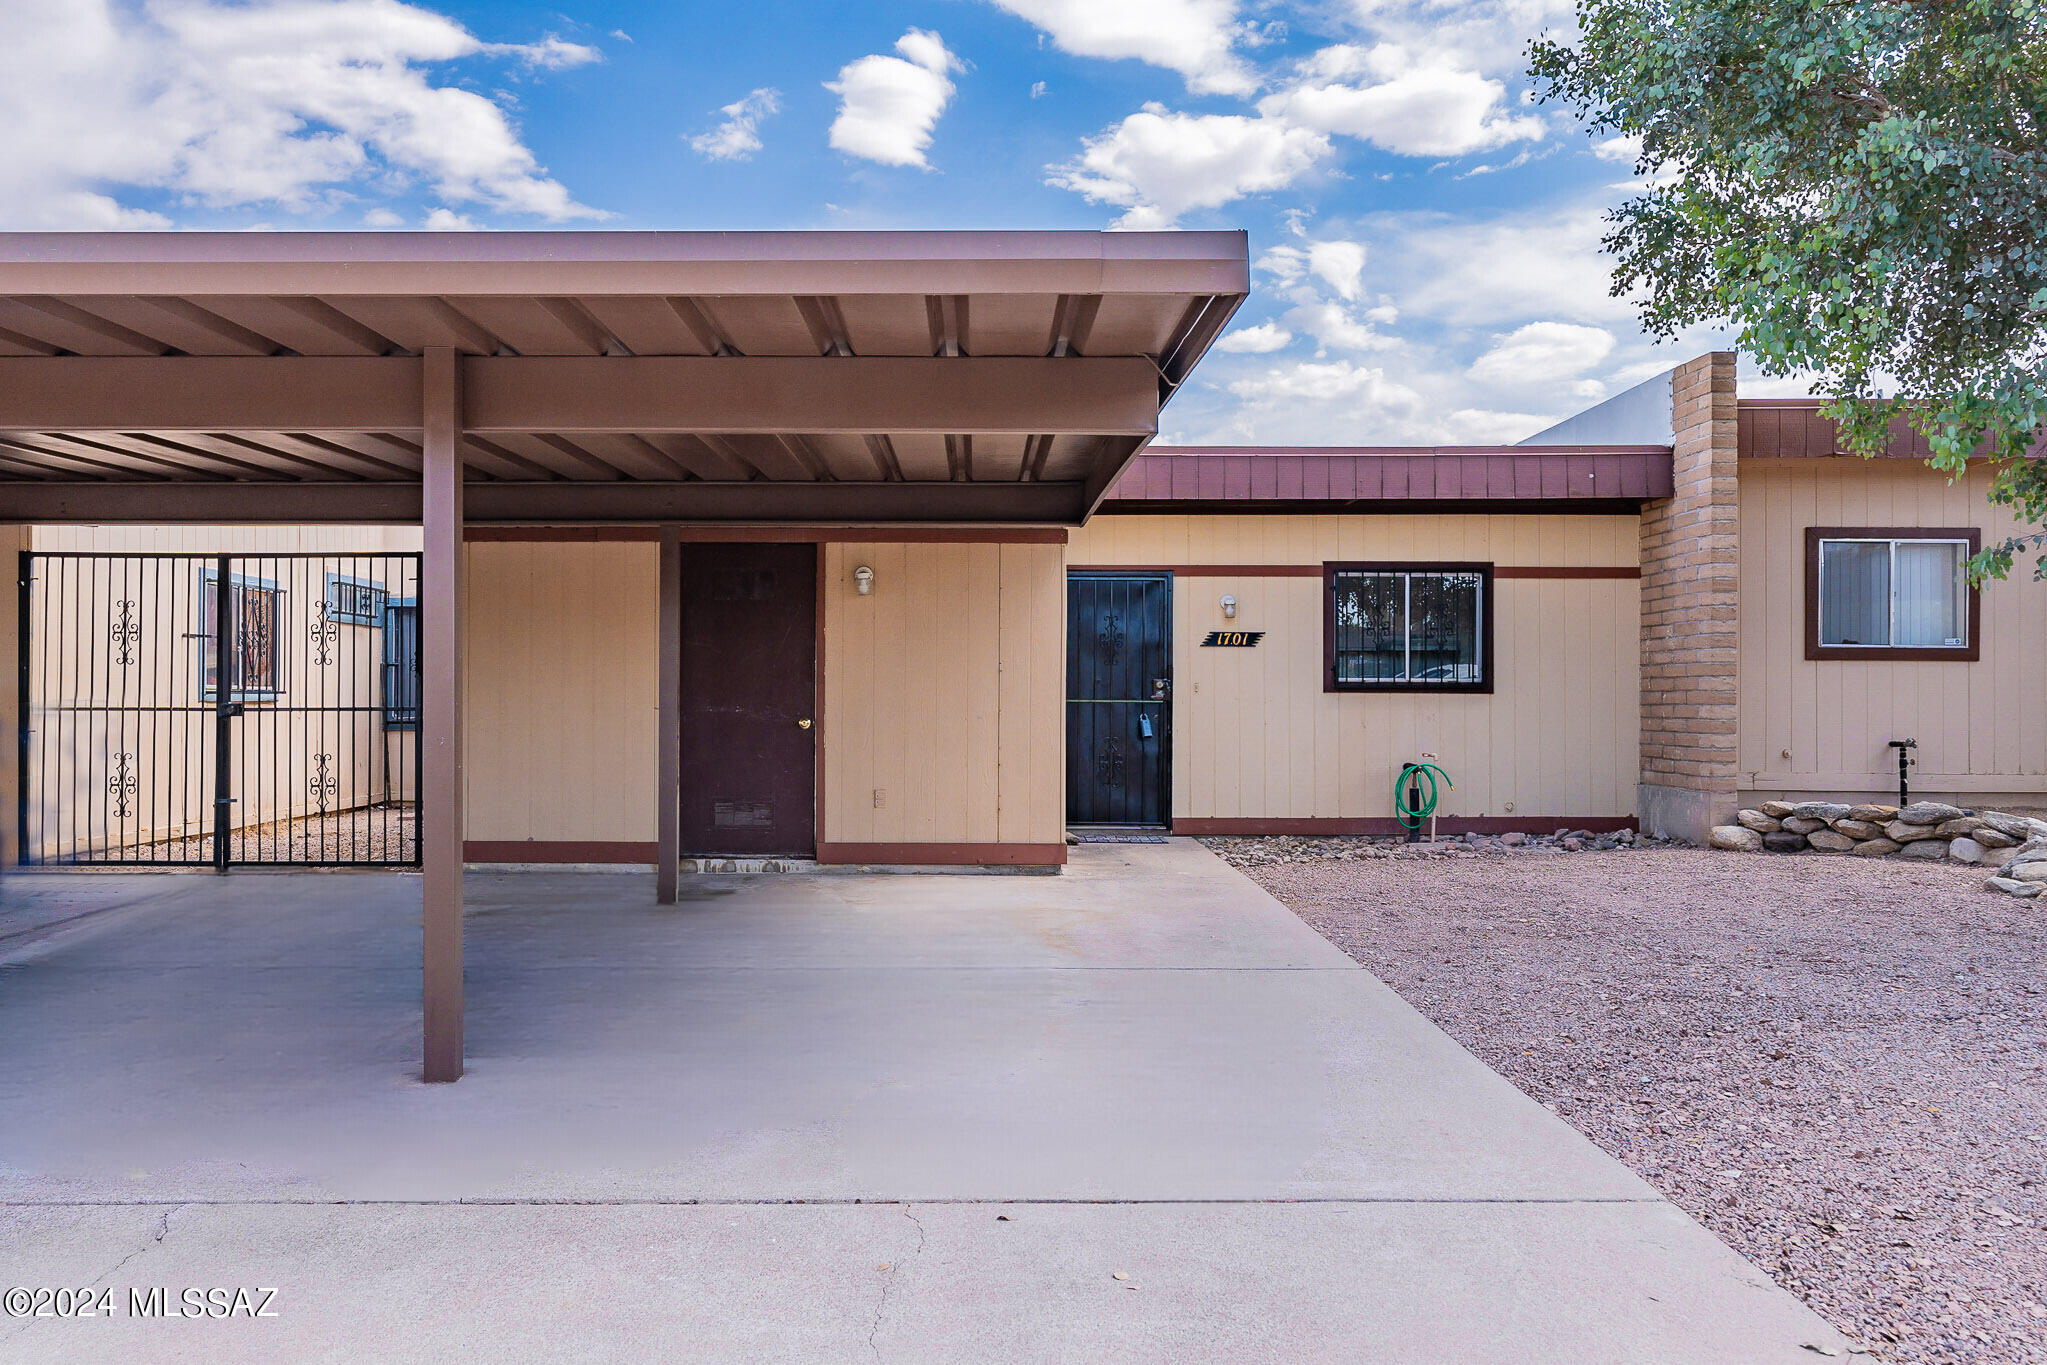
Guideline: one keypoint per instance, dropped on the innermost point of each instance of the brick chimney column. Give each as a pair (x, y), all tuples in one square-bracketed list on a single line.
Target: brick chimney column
[(1690, 613)]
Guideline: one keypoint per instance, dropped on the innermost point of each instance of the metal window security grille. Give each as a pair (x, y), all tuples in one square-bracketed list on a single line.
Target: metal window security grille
[(1119, 711), (1406, 628), (145, 742)]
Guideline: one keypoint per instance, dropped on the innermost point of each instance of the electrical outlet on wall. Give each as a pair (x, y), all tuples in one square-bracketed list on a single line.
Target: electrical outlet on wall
[(881, 798)]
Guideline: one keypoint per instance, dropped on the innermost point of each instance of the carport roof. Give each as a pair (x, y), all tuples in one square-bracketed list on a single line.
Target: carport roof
[(605, 376)]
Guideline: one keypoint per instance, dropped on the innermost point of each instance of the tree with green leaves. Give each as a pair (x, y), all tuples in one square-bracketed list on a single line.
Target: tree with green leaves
[(1860, 188)]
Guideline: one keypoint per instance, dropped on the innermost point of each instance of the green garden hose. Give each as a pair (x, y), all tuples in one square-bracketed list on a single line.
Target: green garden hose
[(1424, 777)]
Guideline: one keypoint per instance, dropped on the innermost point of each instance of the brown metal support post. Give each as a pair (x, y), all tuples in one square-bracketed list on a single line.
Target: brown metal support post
[(668, 800), (440, 629)]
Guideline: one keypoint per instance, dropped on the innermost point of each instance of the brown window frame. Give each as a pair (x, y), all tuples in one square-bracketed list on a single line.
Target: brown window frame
[(1814, 650), (1488, 662)]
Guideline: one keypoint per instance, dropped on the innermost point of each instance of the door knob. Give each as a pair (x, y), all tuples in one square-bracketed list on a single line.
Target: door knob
[(803, 724)]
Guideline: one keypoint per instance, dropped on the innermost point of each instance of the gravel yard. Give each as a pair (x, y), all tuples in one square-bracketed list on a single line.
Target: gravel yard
[(1838, 1065)]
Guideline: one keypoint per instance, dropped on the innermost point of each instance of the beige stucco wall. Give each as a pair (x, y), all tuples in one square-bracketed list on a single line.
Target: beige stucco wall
[(1817, 727), (944, 694), (1256, 737)]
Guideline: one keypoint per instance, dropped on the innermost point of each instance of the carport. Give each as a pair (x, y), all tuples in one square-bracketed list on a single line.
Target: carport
[(911, 389)]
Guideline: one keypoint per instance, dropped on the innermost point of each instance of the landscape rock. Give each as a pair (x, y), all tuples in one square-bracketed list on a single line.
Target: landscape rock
[(1957, 827), (2016, 888), (2027, 872), (1820, 810), (1967, 850), (1930, 849), (1875, 848), (1859, 829), (1514, 839), (1829, 842), (1906, 832), (1928, 812), (1875, 815), (1757, 821), (1784, 841), (2016, 827), (2027, 853), (1993, 838), (1776, 810), (1803, 824), (1737, 838)]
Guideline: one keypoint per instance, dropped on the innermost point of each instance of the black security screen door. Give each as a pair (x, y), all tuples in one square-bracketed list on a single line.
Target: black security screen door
[(1119, 689), (143, 741)]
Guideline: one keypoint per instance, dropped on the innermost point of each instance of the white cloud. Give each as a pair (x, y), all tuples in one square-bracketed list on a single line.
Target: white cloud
[(1197, 38), (1542, 352), (1038, 90), (738, 137), (1263, 339), (382, 218), (888, 106), (1158, 164), (1625, 148), (289, 103), (1408, 105), (1532, 265), (1480, 35)]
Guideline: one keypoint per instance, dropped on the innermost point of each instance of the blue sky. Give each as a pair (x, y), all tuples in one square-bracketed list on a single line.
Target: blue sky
[(1425, 239)]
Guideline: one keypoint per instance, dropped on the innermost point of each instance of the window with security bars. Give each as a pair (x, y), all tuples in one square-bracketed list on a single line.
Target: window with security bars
[(1409, 627), (256, 664)]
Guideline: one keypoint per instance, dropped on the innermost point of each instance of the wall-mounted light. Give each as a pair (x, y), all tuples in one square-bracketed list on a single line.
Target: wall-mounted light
[(863, 581), (1229, 607)]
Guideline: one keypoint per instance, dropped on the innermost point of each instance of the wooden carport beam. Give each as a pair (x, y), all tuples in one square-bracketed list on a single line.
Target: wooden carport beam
[(765, 395), (440, 780), (668, 715), (771, 395)]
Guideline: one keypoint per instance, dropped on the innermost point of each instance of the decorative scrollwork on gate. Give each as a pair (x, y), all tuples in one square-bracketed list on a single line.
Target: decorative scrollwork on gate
[(123, 634), (322, 786), (1109, 762), (322, 633), (1109, 637), (122, 786)]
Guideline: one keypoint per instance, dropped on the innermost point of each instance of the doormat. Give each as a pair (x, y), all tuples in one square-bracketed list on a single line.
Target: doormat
[(1087, 838)]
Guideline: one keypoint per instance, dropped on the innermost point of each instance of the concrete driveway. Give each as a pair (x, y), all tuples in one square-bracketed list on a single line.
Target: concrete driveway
[(1136, 1111)]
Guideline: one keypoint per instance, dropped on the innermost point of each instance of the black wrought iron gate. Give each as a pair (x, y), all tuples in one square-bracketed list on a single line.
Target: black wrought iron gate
[(143, 742), (1119, 688)]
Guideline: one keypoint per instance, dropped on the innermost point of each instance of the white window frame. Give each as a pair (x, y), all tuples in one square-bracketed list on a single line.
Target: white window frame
[(1891, 624)]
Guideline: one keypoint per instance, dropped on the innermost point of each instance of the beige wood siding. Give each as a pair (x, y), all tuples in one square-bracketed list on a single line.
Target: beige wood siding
[(944, 692), (1822, 726), (560, 647), (1256, 737)]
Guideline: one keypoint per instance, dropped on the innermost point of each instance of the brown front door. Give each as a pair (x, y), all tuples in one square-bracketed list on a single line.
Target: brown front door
[(749, 686)]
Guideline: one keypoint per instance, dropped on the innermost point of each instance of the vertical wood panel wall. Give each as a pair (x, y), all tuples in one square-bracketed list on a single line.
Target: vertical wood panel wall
[(1821, 726), (560, 690), (944, 692), (1256, 738)]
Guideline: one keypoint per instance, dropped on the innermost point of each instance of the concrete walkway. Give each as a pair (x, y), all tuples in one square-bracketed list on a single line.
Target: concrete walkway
[(833, 1117)]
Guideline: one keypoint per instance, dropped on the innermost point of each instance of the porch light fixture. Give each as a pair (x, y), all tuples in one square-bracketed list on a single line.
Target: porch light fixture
[(1229, 607), (863, 581)]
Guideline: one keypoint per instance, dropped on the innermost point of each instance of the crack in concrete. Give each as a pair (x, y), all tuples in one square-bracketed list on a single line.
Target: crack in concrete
[(163, 1230), (895, 1268)]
